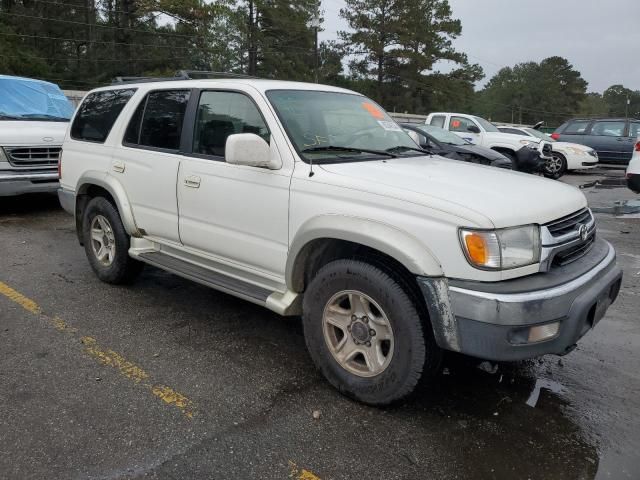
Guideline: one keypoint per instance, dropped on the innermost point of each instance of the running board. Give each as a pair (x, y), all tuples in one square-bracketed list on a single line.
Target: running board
[(206, 277)]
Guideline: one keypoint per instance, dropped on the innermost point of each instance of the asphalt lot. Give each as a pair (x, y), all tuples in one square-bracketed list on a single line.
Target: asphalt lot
[(167, 379)]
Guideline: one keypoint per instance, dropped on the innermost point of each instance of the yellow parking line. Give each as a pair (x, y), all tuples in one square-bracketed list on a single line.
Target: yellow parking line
[(106, 356), (301, 474)]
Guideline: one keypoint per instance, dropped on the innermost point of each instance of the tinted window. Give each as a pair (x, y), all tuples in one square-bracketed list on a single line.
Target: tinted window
[(577, 127), (634, 129), (608, 129), (459, 124), (221, 114), (98, 113), (438, 121), (132, 135), (162, 120)]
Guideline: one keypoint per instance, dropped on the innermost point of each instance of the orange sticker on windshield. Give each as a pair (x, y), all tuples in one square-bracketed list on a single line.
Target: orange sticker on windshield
[(373, 110), (455, 123)]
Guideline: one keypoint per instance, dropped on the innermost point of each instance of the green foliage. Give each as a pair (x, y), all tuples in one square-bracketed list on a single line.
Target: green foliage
[(551, 91), (399, 44)]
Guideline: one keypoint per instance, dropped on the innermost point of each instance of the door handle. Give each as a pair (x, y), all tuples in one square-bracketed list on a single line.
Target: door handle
[(192, 181), (118, 166)]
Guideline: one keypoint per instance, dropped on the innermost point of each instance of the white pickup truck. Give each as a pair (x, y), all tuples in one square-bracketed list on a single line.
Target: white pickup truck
[(479, 131), (310, 200), (34, 116)]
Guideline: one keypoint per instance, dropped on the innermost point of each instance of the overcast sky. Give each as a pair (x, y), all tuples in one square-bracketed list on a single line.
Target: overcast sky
[(601, 38)]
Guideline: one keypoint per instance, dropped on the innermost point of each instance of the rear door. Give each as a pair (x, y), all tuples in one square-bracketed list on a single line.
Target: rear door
[(609, 139), (148, 160)]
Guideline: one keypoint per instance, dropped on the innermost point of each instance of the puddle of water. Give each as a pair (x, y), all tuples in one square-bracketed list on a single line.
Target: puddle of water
[(541, 383)]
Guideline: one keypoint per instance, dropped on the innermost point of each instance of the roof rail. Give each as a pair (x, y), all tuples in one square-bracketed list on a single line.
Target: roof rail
[(180, 75)]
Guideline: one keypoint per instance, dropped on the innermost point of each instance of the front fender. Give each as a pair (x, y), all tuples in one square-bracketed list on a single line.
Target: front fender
[(116, 190), (396, 243)]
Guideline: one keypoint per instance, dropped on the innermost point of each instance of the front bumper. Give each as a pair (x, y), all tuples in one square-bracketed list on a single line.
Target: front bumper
[(67, 200), (487, 320), (20, 182)]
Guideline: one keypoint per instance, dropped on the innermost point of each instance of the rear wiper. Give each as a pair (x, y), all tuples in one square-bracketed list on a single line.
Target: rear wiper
[(334, 148), (400, 148)]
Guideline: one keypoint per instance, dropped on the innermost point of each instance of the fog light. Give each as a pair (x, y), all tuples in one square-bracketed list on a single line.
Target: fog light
[(543, 332)]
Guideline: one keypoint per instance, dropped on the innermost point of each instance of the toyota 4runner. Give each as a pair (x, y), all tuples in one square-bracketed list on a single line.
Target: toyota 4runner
[(310, 200)]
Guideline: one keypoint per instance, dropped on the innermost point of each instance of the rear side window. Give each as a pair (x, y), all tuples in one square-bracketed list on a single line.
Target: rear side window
[(221, 114), (158, 120), (608, 129), (634, 129), (576, 127), (438, 121), (98, 113)]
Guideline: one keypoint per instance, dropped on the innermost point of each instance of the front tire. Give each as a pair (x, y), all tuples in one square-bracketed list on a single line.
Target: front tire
[(555, 167), (365, 334), (106, 243)]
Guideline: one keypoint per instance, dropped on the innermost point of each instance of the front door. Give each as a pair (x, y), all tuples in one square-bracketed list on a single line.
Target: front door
[(236, 214)]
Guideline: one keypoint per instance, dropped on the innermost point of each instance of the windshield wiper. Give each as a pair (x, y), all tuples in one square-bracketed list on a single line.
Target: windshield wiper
[(335, 148), (45, 116), (401, 148), (9, 117)]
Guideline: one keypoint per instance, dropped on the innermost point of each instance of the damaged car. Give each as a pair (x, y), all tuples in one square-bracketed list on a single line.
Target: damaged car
[(446, 144)]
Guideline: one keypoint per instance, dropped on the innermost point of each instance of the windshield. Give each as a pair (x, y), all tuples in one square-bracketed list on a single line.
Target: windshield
[(443, 136), (488, 126), (339, 127), (538, 134), (27, 99)]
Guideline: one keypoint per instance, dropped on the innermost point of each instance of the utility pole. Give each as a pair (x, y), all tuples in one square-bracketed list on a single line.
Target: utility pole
[(315, 24), (626, 107)]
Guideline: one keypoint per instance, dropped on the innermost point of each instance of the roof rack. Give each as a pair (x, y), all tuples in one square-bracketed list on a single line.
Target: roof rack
[(180, 75)]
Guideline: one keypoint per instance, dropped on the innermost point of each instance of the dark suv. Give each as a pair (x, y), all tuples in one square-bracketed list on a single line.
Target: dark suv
[(612, 138)]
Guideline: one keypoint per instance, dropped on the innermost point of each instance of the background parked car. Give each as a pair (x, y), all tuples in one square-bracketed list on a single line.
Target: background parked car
[(565, 156), (612, 138), (633, 170), (34, 116), (449, 145), (526, 153)]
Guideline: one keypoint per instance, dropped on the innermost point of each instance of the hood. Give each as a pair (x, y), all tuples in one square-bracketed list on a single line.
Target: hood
[(31, 133), (487, 196)]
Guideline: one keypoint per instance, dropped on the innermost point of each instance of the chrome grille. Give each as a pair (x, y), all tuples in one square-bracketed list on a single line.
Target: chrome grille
[(570, 223), (33, 156), (572, 254)]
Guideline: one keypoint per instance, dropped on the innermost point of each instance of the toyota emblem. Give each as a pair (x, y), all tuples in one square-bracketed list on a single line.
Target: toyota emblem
[(583, 231)]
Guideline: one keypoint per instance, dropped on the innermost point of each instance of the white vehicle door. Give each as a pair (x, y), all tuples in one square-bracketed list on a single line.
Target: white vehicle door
[(147, 162), (236, 214), (460, 126)]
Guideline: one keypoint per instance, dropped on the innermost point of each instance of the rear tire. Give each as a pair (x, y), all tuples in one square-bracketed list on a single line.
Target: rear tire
[(106, 243), (365, 334), (555, 167)]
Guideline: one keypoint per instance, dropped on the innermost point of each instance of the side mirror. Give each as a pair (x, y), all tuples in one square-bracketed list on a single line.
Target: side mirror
[(251, 150), (473, 129)]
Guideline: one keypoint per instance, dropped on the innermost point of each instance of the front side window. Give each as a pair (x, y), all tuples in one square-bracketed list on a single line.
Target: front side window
[(339, 127), (98, 113), (438, 121), (221, 114), (157, 122), (460, 124), (608, 129)]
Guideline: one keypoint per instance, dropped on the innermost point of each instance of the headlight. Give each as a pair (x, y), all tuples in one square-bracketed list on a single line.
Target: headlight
[(501, 249), (528, 143), (576, 151)]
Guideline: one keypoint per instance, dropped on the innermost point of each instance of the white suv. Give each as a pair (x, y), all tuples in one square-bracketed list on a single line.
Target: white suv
[(310, 200)]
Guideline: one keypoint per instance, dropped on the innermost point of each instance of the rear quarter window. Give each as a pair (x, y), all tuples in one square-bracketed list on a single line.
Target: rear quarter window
[(98, 113)]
